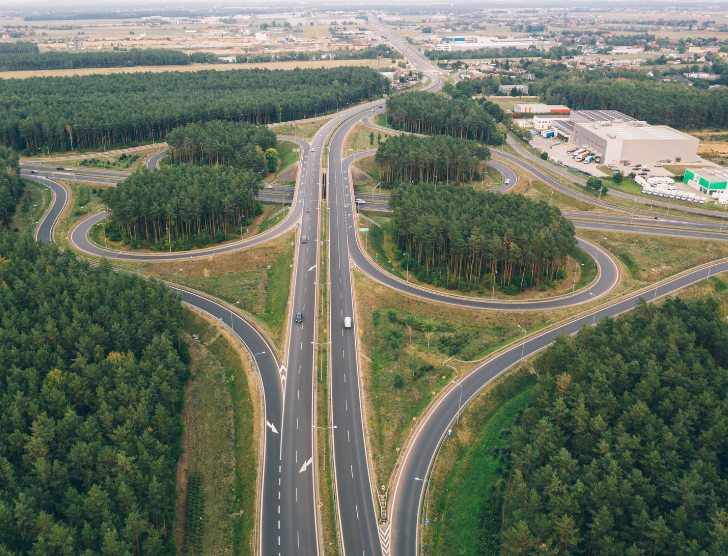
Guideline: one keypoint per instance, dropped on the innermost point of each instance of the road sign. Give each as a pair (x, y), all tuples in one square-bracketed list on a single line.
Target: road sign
[(363, 229), (427, 521), (449, 432), (383, 487)]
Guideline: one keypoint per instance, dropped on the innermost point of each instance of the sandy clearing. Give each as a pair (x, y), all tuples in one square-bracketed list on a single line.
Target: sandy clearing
[(192, 67)]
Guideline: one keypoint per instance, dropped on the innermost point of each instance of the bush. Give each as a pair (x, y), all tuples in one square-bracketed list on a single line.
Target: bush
[(424, 369), (511, 290), (376, 317), (392, 316), (398, 381), (544, 155)]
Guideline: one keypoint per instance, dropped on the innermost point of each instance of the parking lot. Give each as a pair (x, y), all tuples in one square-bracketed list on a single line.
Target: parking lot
[(557, 151)]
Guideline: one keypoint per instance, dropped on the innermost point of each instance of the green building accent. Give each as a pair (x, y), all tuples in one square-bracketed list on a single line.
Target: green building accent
[(707, 180)]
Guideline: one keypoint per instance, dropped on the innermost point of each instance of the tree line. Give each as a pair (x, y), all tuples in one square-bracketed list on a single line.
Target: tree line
[(11, 186), (458, 233), (421, 112), (20, 47), (678, 106), (623, 448), (183, 204), (432, 159), (555, 53), (240, 145), (94, 111), (91, 394), (100, 59), (368, 53)]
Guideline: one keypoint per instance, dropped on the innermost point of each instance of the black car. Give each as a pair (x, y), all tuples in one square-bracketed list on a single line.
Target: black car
[(299, 317), (60, 168)]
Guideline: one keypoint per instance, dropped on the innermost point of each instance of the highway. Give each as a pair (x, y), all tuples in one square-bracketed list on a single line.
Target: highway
[(288, 513)]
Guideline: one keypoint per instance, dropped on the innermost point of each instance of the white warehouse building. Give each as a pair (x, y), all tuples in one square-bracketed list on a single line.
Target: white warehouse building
[(617, 138)]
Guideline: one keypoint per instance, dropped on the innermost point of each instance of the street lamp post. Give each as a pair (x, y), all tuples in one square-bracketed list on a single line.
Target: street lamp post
[(594, 316), (324, 428), (712, 257), (460, 403), (175, 275), (523, 345), (722, 217), (321, 344)]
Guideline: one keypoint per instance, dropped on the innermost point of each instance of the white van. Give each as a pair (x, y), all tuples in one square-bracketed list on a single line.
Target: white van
[(347, 322)]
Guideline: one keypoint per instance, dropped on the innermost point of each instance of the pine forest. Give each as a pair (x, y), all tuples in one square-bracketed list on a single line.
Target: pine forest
[(104, 59), (458, 233), (11, 186), (121, 110), (91, 376), (184, 204), (422, 112), (240, 145), (678, 106), (431, 159), (623, 449)]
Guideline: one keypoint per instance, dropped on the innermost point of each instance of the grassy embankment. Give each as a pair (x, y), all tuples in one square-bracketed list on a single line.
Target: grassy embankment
[(304, 130), (462, 509), (220, 440), (288, 154), (257, 280), (34, 202)]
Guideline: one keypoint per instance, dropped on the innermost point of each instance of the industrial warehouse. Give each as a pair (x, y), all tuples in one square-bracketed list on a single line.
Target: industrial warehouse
[(614, 138)]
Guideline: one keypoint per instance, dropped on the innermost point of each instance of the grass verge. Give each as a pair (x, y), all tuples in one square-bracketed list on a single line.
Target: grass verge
[(288, 153), (462, 510), (327, 494), (304, 130), (257, 280), (212, 425), (31, 207)]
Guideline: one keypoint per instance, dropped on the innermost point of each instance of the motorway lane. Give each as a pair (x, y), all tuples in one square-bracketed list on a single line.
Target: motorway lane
[(355, 503), (68, 177), (47, 226)]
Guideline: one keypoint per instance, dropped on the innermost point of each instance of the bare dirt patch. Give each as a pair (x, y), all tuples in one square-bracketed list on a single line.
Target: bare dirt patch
[(359, 176), (289, 174)]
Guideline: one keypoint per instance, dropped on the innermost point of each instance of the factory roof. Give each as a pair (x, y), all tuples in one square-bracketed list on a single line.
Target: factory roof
[(581, 116), (633, 130), (710, 174)]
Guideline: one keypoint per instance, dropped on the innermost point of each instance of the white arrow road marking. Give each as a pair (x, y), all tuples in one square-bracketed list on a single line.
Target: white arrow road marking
[(310, 269), (272, 427), (306, 464)]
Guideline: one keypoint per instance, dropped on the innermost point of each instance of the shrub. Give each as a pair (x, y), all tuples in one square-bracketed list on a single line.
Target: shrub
[(398, 381)]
